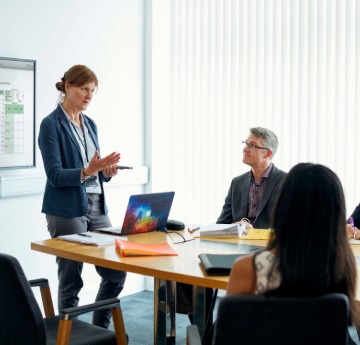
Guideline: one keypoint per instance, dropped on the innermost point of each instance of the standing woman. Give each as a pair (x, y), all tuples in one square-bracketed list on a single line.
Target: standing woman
[(74, 200)]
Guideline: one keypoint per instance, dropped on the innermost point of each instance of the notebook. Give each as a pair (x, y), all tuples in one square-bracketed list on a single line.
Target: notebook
[(144, 213), (218, 264)]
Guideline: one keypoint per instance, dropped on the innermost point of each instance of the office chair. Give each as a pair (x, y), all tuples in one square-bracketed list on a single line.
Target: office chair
[(21, 320), (269, 320)]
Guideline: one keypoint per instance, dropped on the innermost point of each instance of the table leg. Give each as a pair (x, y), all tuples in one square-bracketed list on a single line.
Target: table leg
[(199, 308), (164, 305)]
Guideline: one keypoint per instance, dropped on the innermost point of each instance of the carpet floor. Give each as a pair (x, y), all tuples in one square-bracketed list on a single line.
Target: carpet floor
[(138, 313)]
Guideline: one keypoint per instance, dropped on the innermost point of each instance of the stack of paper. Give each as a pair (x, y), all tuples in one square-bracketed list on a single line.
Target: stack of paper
[(354, 241), (222, 230)]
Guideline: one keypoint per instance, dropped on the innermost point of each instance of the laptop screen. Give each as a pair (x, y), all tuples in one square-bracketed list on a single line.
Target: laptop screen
[(147, 212)]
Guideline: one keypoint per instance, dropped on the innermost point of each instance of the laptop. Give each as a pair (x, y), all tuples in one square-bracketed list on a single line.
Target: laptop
[(144, 213)]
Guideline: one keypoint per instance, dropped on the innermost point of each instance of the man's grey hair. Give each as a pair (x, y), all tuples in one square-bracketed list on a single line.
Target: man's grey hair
[(269, 138)]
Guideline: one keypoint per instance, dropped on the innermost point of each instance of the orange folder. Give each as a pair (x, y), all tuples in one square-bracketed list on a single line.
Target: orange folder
[(144, 249)]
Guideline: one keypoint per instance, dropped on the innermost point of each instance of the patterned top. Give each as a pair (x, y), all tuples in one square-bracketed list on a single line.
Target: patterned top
[(255, 193), (267, 274)]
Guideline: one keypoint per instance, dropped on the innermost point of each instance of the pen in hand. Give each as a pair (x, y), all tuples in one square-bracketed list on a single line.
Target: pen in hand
[(123, 167)]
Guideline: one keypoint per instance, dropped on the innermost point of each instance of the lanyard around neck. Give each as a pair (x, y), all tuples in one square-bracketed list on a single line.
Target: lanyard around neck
[(82, 143)]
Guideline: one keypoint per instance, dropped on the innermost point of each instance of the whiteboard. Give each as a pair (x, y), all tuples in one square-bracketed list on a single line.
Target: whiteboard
[(17, 113)]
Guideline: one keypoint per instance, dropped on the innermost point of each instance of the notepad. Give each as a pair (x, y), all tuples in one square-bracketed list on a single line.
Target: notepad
[(258, 234), (91, 238), (128, 248)]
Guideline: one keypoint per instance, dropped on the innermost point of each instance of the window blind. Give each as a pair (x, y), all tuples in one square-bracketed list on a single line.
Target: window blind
[(220, 67)]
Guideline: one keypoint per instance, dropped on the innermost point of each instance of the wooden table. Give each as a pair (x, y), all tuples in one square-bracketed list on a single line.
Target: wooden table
[(184, 268)]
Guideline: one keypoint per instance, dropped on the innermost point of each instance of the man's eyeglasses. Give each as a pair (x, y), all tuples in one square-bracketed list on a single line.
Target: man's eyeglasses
[(253, 147)]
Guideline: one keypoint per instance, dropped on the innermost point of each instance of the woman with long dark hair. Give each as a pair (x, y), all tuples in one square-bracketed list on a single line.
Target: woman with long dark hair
[(310, 254)]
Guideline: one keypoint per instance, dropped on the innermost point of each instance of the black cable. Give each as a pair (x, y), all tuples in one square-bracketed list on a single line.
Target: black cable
[(167, 232)]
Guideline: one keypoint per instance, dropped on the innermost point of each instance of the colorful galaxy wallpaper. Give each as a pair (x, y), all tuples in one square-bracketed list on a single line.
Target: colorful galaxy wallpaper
[(147, 212)]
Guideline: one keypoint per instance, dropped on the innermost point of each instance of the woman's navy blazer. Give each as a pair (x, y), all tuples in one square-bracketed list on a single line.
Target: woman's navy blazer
[(64, 195)]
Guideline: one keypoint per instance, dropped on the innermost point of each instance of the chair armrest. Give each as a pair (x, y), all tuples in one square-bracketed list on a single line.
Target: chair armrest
[(46, 298), (193, 335), (70, 313), (42, 282)]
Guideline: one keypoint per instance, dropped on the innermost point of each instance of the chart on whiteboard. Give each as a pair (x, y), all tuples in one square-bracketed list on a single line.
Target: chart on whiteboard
[(11, 119), (17, 113)]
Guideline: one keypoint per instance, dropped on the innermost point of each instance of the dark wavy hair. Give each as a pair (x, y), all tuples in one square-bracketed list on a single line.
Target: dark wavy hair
[(309, 222)]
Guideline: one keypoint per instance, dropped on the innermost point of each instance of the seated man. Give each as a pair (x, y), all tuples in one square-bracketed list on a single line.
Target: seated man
[(250, 199), (252, 195)]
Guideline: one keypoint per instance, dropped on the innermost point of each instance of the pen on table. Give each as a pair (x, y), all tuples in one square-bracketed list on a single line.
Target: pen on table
[(84, 235), (123, 167), (194, 229), (351, 221)]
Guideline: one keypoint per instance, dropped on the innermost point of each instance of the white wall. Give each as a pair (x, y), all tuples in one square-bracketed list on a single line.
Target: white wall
[(108, 37)]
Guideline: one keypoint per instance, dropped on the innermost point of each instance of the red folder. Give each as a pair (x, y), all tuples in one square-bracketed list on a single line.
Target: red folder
[(144, 249)]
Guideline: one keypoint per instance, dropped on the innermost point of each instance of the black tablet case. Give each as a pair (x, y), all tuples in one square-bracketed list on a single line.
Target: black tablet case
[(218, 264)]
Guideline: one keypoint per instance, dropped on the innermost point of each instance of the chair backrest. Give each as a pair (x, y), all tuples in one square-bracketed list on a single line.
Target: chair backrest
[(245, 320), (21, 321)]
